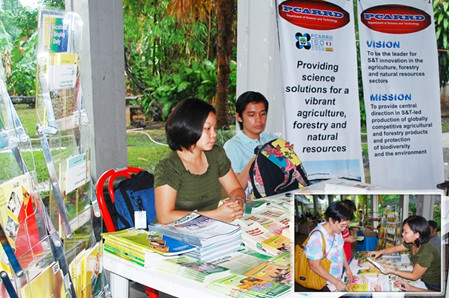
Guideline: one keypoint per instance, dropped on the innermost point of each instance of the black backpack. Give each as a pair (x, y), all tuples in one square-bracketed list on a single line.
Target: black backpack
[(276, 169)]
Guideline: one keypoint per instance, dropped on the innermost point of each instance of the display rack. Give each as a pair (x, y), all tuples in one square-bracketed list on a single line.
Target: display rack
[(64, 134), (32, 259), (51, 249), (390, 227)]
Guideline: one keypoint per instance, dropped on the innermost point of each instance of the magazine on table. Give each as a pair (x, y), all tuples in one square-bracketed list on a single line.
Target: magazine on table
[(194, 269), (277, 244), (242, 261), (271, 272), (197, 229), (237, 285), (254, 234)]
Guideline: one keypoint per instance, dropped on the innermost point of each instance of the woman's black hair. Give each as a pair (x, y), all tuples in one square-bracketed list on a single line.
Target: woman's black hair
[(418, 224), (184, 125), (338, 211), (350, 205), (246, 98)]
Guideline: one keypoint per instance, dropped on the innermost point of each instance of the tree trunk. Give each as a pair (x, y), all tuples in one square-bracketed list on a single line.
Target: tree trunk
[(225, 19)]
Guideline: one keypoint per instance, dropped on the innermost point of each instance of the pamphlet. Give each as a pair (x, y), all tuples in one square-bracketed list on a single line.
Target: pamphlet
[(375, 263)]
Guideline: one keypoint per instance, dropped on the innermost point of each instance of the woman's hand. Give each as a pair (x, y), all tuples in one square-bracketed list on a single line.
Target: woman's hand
[(341, 286), (402, 285), (388, 270), (375, 254), (241, 201), (349, 276), (229, 211)]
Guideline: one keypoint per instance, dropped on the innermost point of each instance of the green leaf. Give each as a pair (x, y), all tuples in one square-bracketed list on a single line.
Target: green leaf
[(183, 86), (16, 55), (163, 88)]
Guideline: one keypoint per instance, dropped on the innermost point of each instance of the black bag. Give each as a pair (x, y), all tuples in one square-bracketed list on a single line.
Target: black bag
[(134, 194), (276, 169)]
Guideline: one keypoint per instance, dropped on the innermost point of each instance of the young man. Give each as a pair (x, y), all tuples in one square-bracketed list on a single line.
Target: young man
[(252, 109)]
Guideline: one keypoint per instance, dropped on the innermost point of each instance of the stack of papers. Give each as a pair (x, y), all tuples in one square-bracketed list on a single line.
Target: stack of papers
[(260, 239), (214, 238), (142, 247)]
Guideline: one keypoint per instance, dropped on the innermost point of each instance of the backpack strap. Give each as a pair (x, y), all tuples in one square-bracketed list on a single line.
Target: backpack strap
[(126, 199)]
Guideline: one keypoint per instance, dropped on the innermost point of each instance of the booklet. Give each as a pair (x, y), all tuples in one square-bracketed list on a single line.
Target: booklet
[(271, 272), (194, 269), (237, 285), (198, 229), (375, 263)]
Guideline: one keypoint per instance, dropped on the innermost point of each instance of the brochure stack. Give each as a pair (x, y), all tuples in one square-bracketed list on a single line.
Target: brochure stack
[(214, 238), (142, 247)]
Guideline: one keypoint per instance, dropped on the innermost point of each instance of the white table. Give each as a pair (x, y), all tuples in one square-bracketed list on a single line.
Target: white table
[(122, 271)]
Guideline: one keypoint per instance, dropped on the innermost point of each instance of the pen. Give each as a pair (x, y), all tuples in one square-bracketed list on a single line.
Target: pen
[(8, 285), (9, 253)]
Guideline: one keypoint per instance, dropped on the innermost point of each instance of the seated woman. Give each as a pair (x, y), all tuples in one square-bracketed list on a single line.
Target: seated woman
[(190, 177), (423, 254), (337, 218)]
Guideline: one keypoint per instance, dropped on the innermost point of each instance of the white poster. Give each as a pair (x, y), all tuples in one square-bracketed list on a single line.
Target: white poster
[(319, 74), (401, 92)]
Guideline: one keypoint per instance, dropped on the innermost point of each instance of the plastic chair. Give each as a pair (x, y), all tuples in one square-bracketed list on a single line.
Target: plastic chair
[(107, 183)]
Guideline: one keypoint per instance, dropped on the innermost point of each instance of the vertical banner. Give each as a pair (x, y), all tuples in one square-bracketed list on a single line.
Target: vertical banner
[(401, 91), (319, 74)]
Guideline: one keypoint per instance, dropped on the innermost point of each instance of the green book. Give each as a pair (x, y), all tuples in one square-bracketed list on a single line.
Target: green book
[(144, 241), (237, 285)]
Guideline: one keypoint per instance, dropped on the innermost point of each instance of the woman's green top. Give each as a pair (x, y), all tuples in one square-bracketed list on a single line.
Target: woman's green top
[(195, 192), (427, 257)]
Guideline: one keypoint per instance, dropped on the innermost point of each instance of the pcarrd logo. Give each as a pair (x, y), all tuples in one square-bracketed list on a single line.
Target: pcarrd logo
[(303, 41)]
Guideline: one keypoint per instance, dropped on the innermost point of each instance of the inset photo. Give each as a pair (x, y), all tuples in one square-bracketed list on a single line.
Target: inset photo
[(369, 243)]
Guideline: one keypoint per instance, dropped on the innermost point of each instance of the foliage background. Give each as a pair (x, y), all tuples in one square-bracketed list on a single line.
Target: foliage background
[(167, 58)]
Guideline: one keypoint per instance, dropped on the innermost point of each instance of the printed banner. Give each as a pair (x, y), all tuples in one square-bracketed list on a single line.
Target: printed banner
[(319, 73), (401, 92)]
